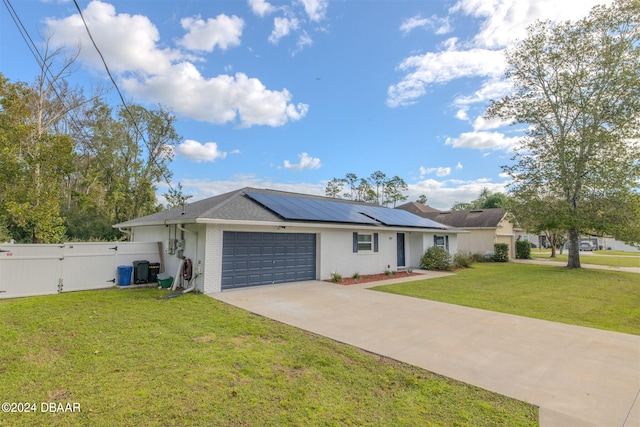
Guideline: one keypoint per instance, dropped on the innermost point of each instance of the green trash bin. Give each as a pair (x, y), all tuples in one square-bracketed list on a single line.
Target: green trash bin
[(164, 280)]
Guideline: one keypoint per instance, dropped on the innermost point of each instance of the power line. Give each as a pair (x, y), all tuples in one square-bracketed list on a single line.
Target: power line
[(47, 74), (133, 120)]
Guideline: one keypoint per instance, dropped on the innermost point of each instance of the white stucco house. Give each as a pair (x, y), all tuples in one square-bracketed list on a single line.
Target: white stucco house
[(252, 237)]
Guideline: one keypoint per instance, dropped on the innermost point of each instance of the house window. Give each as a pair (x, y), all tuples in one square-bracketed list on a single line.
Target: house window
[(365, 242), (441, 242)]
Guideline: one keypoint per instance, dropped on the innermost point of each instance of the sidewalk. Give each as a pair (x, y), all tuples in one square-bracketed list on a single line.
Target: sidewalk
[(577, 376), (591, 266)]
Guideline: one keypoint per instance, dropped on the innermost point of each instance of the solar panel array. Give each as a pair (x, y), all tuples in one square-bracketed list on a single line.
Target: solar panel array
[(307, 209)]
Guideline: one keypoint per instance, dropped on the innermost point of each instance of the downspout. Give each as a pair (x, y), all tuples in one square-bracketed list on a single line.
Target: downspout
[(127, 232)]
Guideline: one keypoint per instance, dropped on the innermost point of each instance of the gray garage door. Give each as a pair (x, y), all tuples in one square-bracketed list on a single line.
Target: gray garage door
[(253, 259)]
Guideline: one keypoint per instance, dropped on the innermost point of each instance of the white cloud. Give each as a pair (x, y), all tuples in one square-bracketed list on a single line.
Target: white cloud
[(130, 45), (127, 42), (219, 99), (315, 9), (502, 22), (483, 141), (441, 67), (193, 150), (459, 166), (492, 88), (481, 123), (304, 40), (261, 7), (222, 31), (505, 21), (439, 171), (444, 194), (439, 25), (306, 162), (282, 27)]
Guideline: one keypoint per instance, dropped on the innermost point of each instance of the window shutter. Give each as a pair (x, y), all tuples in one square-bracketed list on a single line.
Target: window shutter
[(355, 242), (446, 242), (375, 242), (435, 240)]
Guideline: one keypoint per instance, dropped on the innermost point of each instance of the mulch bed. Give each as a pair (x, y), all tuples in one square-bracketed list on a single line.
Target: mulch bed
[(366, 278)]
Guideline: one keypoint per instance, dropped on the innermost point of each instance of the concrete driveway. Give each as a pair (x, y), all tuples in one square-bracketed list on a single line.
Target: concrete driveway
[(577, 376)]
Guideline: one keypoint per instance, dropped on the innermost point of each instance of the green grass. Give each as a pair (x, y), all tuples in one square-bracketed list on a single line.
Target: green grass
[(131, 358), (599, 258), (594, 298)]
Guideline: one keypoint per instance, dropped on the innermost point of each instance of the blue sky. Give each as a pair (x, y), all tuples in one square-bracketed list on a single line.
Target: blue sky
[(290, 94)]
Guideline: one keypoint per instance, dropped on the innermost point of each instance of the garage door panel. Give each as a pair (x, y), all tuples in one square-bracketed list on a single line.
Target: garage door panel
[(252, 259)]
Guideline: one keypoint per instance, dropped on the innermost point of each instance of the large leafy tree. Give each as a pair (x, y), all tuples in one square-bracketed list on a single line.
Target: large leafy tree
[(124, 154), (576, 85), (486, 200), (35, 157)]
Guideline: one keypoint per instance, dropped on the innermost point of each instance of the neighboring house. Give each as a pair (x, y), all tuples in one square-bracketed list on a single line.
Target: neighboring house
[(484, 227), (253, 236)]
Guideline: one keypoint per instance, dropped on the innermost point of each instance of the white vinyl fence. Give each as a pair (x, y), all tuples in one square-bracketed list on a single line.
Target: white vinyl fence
[(29, 269)]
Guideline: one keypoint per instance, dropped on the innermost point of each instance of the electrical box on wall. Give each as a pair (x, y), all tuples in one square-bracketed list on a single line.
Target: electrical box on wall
[(179, 245), (169, 247)]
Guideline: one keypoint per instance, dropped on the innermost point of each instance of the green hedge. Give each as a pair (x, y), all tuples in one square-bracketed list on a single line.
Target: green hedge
[(523, 249), (501, 252)]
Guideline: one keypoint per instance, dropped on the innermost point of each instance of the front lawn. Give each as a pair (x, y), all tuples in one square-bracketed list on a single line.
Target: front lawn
[(131, 358), (594, 298)]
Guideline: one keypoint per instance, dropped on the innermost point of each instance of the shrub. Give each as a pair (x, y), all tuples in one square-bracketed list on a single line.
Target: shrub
[(501, 252), (463, 259), (523, 249), (478, 257), (336, 277), (436, 258)]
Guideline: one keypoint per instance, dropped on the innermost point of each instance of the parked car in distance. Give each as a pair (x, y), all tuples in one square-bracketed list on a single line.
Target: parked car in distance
[(587, 246)]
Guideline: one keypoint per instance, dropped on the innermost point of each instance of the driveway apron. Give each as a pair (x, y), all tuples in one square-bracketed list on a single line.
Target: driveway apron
[(577, 376)]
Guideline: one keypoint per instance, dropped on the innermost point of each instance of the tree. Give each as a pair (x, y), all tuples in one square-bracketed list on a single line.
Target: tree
[(364, 192), (35, 158), (486, 200), (127, 155), (377, 180), (334, 188), (175, 197), (422, 199), (375, 189), (394, 189), (351, 180), (577, 88)]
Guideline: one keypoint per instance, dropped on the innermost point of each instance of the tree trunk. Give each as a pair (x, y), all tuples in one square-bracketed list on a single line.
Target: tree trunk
[(574, 249)]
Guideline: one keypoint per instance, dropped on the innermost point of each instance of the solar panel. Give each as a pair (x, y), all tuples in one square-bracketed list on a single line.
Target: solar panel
[(399, 217), (305, 209)]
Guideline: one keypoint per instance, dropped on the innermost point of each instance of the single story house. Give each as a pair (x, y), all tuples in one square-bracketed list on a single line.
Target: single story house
[(252, 237), (484, 227)]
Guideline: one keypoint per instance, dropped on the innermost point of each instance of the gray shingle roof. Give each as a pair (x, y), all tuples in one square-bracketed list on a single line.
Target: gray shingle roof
[(480, 218), (234, 205)]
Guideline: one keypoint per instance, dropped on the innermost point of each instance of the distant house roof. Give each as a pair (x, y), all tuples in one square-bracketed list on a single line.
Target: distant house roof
[(417, 208), (262, 205), (479, 218)]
